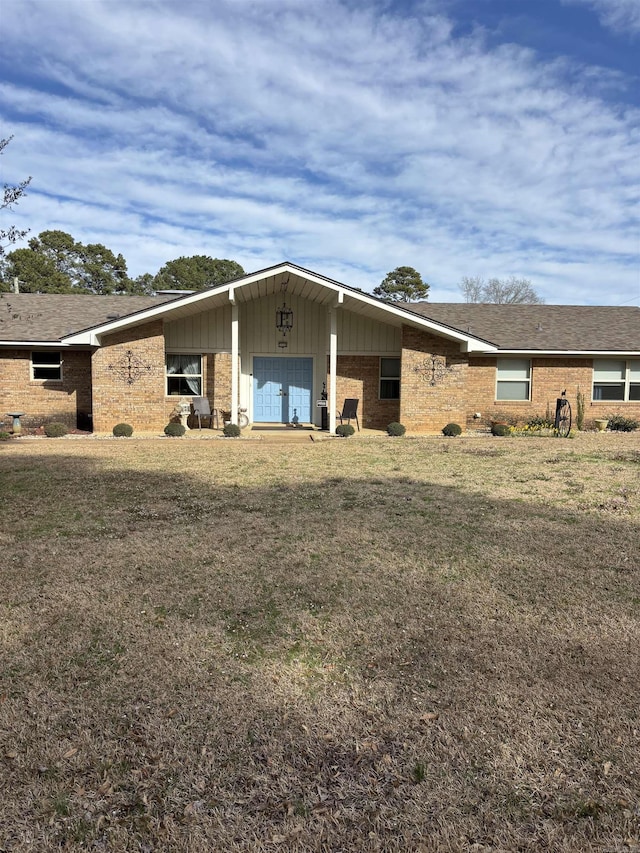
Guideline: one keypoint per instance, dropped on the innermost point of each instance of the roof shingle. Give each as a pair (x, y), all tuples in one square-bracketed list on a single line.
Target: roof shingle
[(51, 316)]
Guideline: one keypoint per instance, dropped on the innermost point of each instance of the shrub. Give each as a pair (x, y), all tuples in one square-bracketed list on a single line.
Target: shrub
[(539, 422), (344, 430), (55, 430), (505, 418), (174, 430), (500, 429), (452, 429), (123, 430), (4, 436), (231, 430), (622, 424), (396, 429)]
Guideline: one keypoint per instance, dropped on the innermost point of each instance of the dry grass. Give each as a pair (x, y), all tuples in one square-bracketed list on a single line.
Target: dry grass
[(375, 644)]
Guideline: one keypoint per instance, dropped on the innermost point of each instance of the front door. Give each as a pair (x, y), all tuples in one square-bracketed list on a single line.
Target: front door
[(282, 390)]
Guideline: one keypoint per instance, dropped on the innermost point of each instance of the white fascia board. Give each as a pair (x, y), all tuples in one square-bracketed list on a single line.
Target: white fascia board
[(38, 344), (467, 343), (91, 337), (564, 353)]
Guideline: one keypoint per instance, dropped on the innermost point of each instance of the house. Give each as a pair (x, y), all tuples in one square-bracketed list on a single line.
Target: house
[(271, 342)]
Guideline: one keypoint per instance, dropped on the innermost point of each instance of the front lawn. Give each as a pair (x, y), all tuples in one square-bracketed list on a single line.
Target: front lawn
[(376, 644)]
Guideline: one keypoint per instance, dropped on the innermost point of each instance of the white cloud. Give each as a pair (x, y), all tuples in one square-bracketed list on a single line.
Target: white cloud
[(342, 139), (621, 16)]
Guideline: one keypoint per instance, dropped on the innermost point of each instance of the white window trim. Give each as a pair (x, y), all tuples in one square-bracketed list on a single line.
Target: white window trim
[(199, 376), (33, 365), (504, 382), (628, 362)]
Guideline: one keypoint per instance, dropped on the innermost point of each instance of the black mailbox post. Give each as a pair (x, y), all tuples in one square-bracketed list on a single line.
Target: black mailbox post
[(322, 405)]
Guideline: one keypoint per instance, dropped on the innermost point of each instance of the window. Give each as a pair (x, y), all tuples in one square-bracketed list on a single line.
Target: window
[(46, 364), (184, 375), (617, 380), (389, 378), (514, 379)]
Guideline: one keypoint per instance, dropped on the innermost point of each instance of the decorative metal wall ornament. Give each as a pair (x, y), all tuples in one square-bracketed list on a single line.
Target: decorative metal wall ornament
[(130, 368), (433, 369), (284, 315)]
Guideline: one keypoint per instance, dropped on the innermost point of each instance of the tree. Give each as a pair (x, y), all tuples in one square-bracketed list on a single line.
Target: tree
[(500, 291), (100, 271), (10, 196), (36, 273), (403, 284), (142, 285), (56, 263), (196, 273)]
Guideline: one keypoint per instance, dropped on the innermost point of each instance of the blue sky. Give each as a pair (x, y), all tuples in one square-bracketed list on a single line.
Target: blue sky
[(460, 137)]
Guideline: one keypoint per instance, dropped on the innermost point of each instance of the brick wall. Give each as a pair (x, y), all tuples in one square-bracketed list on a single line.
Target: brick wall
[(359, 376), (128, 377), (549, 377), (425, 407), (143, 402), (218, 383), (44, 401)]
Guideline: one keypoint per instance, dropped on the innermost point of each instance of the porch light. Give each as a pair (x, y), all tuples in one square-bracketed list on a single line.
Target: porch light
[(284, 319)]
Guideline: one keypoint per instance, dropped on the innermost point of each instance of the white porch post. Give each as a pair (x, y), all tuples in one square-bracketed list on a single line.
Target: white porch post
[(235, 351), (333, 368)]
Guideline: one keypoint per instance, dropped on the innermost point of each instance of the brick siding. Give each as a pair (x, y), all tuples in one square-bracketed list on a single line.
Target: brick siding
[(426, 407), (127, 374), (136, 397), (44, 401), (549, 378), (359, 376)]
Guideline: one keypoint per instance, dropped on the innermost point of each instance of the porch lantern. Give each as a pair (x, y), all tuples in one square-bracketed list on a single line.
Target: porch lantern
[(284, 319)]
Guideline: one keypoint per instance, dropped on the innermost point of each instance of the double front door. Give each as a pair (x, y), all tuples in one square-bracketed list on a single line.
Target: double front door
[(282, 389)]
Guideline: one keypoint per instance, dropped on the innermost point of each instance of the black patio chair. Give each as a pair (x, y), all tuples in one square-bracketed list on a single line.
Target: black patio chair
[(202, 409), (350, 410)]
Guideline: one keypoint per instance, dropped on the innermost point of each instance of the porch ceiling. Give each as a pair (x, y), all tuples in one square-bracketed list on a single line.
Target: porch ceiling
[(289, 283)]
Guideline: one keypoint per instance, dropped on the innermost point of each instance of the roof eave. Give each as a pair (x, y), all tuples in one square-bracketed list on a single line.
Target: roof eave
[(92, 336), (35, 343), (571, 353)]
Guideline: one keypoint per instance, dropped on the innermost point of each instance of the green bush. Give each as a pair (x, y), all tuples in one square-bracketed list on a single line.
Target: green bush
[(123, 430), (174, 430), (452, 429), (500, 429), (344, 430), (231, 430), (4, 436), (621, 424), (396, 429), (55, 430)]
